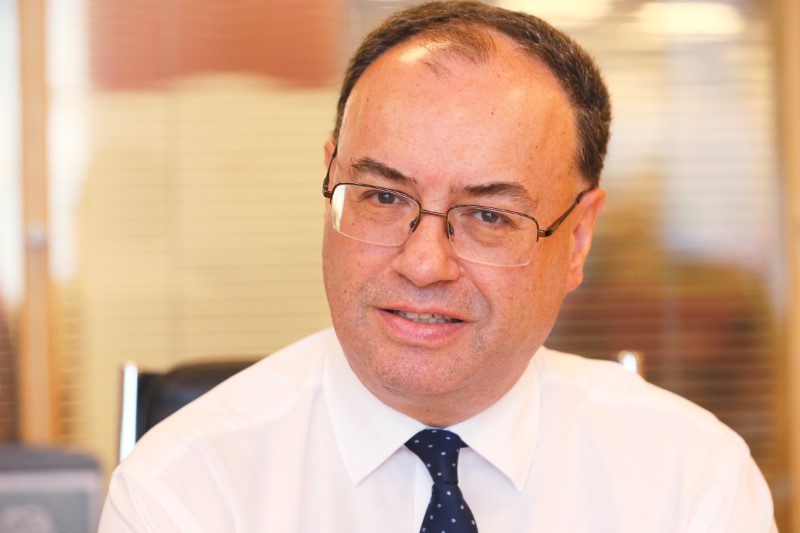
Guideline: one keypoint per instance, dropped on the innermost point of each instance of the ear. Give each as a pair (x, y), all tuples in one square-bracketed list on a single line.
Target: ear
[(592, 204), (328, 148)]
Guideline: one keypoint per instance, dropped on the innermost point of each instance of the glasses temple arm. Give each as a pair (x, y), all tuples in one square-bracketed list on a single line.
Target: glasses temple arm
[(554, 226), (325, 192)]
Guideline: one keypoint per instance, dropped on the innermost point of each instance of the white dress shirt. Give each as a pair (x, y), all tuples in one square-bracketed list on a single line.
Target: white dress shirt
[(297, 444)]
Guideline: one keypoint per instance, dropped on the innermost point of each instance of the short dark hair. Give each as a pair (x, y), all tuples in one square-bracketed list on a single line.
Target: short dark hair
[(466, 24)]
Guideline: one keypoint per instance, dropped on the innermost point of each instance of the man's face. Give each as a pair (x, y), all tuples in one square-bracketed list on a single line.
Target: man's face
[(437, 133)]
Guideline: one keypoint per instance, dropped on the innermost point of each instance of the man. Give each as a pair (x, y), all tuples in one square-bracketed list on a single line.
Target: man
[(462, 192)]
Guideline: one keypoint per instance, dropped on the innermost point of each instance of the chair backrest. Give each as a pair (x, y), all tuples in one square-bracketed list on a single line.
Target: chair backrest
[(150, 397), (633, 361)]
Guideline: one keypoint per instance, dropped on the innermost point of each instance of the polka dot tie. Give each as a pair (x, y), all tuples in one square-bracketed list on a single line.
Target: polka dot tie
[(447, 512)]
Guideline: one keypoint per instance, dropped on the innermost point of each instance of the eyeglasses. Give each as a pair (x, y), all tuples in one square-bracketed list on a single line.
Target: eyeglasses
[(386, 217)]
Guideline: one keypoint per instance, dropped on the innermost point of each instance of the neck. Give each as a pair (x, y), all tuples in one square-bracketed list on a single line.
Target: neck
[(444, 409)]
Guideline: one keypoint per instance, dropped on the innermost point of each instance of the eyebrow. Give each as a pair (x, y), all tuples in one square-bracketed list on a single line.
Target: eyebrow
[(367, 165), (513, 191), (510, 190)]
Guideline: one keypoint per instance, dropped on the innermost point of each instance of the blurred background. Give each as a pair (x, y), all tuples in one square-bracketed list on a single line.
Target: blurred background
[(160, 172)]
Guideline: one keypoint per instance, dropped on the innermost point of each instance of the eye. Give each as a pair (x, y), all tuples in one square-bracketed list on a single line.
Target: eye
[(387, 197), (485, 218), (489, 217)]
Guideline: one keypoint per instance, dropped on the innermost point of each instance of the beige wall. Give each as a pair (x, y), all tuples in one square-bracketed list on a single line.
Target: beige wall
[(198, 235)]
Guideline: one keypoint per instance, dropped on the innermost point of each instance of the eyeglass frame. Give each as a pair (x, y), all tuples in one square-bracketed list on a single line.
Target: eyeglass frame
[(540, 233)]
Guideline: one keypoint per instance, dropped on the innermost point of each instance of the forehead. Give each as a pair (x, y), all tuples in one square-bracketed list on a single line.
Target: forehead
[(420, 104)]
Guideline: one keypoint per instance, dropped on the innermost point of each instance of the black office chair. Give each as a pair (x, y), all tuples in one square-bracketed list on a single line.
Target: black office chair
[(150, 397)]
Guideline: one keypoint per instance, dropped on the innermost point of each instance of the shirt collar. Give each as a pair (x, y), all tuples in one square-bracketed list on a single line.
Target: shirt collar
[(358, 417), (504, 434)]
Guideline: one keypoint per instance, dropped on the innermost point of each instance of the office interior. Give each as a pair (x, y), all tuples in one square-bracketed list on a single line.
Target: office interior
[(160, 173)]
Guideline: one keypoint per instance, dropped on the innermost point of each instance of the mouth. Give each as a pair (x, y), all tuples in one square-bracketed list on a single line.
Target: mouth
[(425, 318)]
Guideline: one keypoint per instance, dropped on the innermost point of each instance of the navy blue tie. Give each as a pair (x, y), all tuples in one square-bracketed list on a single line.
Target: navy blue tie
[(447, 512)]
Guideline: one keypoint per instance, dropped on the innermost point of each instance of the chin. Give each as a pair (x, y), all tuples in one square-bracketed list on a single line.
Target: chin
[(420, 376)]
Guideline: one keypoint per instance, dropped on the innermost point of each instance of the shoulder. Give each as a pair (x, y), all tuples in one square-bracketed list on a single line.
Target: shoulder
[(208, 463), (619, 408), (268, 394), (632, 438)]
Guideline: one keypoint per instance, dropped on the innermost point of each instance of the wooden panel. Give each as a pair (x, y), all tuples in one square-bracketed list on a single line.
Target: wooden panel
[(789, 105), (36, 386)]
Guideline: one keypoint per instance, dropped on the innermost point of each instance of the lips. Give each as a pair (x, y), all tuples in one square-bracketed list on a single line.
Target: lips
[(425, 318)]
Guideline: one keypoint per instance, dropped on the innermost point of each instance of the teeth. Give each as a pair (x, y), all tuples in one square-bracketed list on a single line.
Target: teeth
[(426, 318)]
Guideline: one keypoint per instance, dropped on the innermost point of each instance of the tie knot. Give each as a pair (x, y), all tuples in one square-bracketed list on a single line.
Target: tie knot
[(438, 449)]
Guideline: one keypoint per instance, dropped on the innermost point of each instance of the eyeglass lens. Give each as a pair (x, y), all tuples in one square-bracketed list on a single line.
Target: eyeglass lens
[(388, 218)]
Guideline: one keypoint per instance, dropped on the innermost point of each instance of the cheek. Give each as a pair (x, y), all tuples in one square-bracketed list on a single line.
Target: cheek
[(549, 278), (525, 307), (511, 294), (334, 270), (524, 301), (348, 267)]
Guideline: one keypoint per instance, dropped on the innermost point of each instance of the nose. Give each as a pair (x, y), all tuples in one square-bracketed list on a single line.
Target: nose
[(427, 257)]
